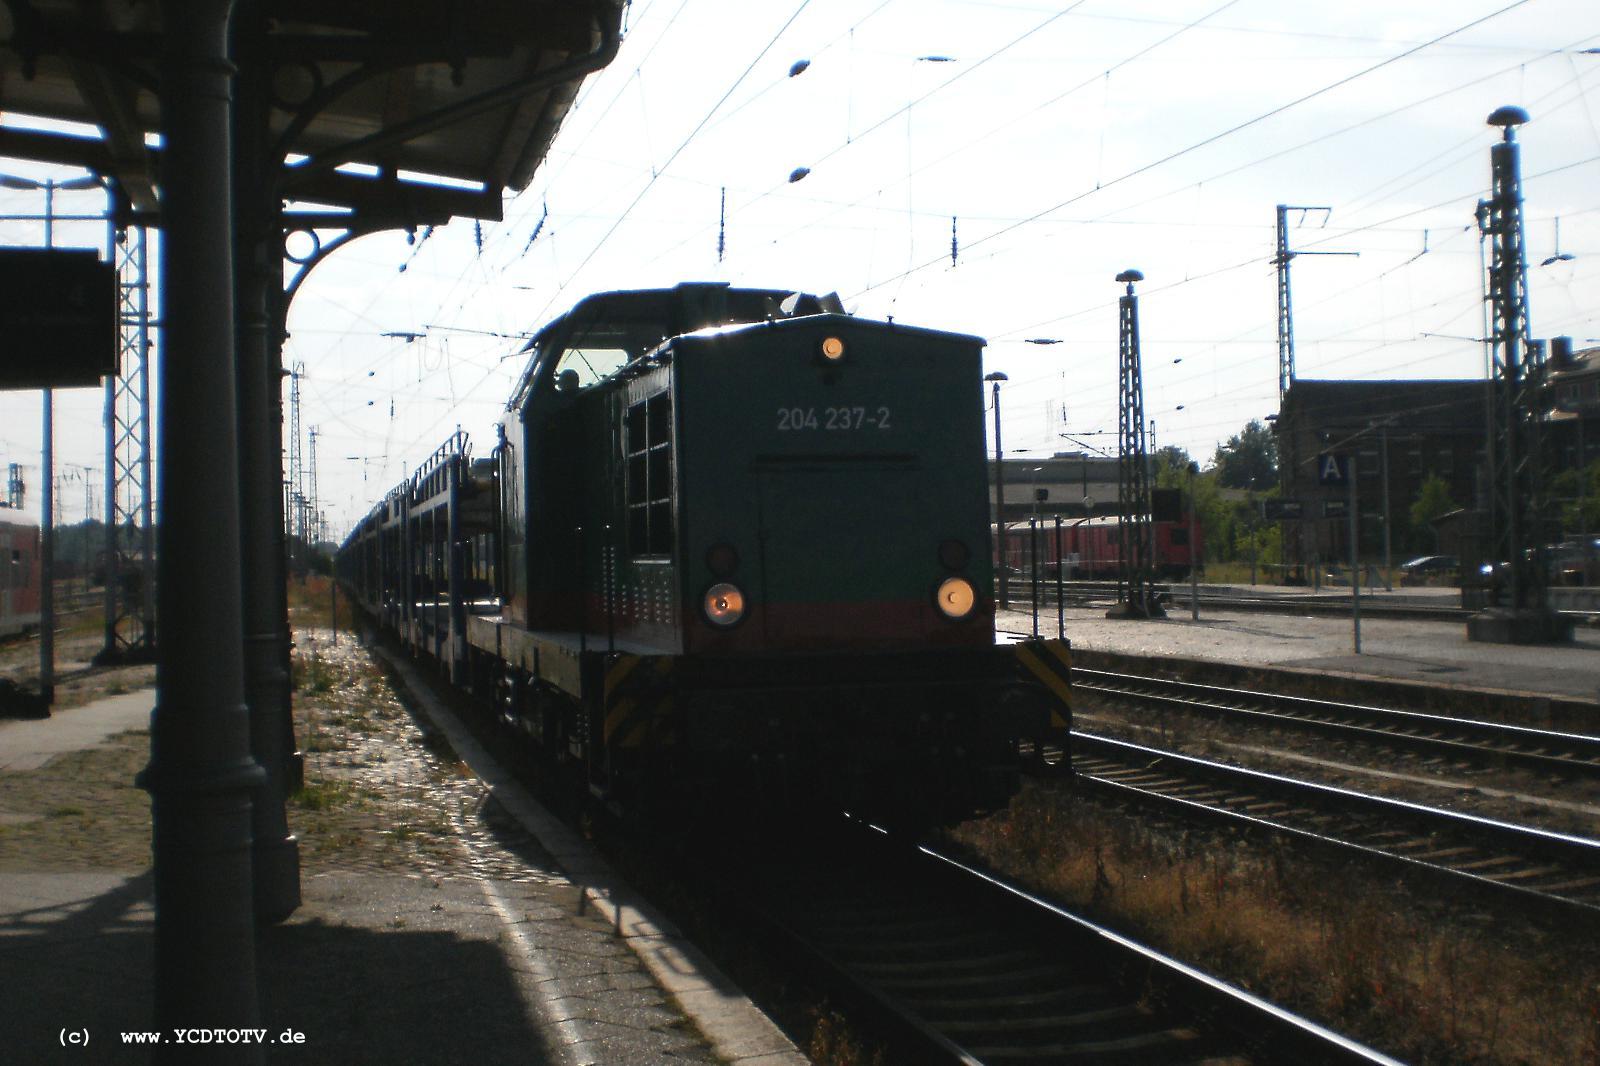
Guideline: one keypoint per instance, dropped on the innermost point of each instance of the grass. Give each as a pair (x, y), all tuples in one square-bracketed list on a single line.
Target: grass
[(1430, 984), (311, 604), (326, 794), (834, 1042), (314, 675), (90, 813)]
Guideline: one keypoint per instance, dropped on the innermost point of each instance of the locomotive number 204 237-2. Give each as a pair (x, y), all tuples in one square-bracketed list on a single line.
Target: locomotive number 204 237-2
[(797, 419)]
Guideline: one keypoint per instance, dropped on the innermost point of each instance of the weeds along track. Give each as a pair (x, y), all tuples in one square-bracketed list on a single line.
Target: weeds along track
[(1550, 873), (960, 967), (1462, 740)]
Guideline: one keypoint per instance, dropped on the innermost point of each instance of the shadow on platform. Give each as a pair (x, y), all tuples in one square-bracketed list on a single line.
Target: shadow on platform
[(76, 951)]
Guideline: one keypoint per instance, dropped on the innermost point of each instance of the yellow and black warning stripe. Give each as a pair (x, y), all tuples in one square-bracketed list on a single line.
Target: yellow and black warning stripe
[(638, 689), (1050, 662)]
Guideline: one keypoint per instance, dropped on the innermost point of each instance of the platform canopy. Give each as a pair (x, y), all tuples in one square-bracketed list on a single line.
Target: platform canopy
[(370, 101)]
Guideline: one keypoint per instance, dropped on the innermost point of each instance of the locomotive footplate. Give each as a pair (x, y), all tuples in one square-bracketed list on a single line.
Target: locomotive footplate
[(956, 724), (963, 706), (1007, 692)]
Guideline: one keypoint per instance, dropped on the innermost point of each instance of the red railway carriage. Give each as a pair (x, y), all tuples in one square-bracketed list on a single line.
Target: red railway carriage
[(1092, 548), (19, 573)]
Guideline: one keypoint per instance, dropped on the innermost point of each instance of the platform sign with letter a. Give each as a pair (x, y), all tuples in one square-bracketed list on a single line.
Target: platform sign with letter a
[(1333, 468)]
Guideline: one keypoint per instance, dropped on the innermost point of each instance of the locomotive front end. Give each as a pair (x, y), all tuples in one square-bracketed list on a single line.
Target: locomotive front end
[(836, 575), (832, 488)]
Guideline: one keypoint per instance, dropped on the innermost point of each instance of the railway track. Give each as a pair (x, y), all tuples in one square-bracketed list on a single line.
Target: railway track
[(1549, 873), (960, 967), (1432, 735)]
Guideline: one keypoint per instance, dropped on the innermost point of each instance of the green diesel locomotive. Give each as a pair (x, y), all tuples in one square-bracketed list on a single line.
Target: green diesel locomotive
[(739, 544)]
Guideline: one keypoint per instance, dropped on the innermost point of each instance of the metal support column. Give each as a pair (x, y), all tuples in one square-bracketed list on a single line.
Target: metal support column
[(1135, 596), (1288, 449), (1519, 512), (201, 775), (459, 466), (130, 634), (1001, 577), (47, 553), (260, 382)]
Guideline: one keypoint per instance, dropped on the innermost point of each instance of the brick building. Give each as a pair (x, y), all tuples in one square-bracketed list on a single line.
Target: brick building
[(1574, 424), (1400, 432)]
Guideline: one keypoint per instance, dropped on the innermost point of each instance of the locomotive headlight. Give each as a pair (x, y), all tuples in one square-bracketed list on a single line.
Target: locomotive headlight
[(832, 349), (956, 597), (723, 604)]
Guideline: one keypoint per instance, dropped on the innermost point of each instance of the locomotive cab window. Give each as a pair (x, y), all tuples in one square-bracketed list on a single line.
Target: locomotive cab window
[(579, 368), (647, 446)]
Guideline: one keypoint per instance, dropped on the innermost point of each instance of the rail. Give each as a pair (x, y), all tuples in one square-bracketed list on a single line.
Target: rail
[(1555, 874), (1482, 742), (962, 966)]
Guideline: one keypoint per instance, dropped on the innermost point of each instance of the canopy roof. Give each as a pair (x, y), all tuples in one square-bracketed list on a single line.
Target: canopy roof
[(390, 90)]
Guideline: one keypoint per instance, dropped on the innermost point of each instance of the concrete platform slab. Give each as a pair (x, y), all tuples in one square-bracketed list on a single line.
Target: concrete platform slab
[(1434, 651), (29, 744)]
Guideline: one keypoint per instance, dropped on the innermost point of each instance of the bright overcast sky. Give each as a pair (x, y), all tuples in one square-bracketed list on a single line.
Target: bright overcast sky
[(1068, 142)]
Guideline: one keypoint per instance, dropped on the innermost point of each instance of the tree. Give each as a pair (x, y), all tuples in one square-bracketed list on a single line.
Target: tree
[(1170, 465), (1565, 487), (1433, 500), (1249, 459)]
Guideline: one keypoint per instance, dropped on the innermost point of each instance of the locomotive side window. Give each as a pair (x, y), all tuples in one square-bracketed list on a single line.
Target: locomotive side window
[(647, 444)]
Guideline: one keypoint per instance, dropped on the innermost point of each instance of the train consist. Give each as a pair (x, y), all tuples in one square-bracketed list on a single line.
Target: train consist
[(728, 541), (20, 580), (1092, 548)]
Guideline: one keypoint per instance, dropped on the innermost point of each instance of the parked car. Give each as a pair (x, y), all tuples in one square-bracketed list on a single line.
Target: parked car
[(1575, 562), (1434, 569), (1571, 562)]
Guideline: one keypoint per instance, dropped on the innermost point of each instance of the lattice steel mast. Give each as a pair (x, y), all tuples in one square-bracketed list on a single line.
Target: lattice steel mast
[(130, 527), (1287, 452), (313, 502), (1285, 310), (1135, 597), (1520, 612), (1285, 305)]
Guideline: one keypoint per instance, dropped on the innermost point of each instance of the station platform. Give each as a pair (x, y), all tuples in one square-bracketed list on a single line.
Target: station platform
[(1431, 651), (452, 922)]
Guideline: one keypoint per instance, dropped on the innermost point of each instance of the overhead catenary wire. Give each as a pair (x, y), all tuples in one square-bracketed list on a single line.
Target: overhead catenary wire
[(1215, 137), (623, 215)]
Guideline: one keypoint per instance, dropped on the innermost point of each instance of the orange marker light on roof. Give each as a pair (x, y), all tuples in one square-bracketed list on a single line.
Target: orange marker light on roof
[(832, 349)]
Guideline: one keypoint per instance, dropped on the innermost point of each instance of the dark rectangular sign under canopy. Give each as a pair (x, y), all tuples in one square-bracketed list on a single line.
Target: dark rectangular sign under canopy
[(58, 318)]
